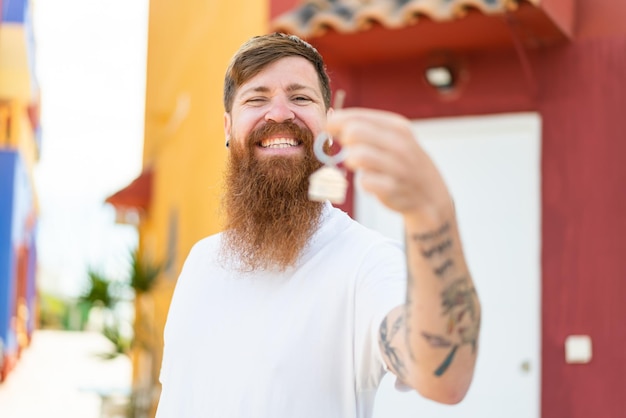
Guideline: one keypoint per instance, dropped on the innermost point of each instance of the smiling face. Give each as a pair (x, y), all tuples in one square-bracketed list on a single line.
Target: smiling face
[(274, 117), (287, 90)]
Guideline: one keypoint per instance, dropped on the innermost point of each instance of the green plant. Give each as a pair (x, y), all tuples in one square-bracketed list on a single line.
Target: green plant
[(106, 293), (121, 344), (98, 291), (142, 275), (52, 310)]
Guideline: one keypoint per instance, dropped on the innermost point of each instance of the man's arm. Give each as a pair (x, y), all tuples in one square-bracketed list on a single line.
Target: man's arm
[(430, 342)]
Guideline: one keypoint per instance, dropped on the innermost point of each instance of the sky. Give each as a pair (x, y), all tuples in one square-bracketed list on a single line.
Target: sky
[(90, 64)]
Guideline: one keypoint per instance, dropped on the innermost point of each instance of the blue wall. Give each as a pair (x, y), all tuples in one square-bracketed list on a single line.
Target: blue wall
[(7, 183), (14, 11)]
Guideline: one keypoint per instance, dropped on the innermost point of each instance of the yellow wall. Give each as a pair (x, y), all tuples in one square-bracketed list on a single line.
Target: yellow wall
[(15, 74), (20, 136), (189, 45), (18, 91)]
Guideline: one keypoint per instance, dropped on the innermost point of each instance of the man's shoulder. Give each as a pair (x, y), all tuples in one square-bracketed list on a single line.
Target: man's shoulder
[(355, 233), (209, 240), (206, 245)]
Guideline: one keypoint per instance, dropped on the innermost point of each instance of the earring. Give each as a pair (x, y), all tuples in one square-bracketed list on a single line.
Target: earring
[(227, 141)]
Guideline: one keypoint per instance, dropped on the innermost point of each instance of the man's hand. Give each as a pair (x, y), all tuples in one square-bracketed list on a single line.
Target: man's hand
[(382, 147)]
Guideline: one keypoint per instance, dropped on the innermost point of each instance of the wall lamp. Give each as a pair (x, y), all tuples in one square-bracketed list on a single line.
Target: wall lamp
[(440, 77), (446, 74)]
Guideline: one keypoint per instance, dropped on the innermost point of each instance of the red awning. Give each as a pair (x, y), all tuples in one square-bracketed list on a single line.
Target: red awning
[(358, 31), (136, 195)]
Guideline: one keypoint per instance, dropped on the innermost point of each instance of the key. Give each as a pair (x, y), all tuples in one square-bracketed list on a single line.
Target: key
[(329, 182)]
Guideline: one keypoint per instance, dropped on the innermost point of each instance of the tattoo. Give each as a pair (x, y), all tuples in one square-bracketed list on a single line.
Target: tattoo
[(446, 363), (434, 246), (438, 248), (430, 235), (458, 293), (458, 301), (436, 341), (391, 352), (440, 271)]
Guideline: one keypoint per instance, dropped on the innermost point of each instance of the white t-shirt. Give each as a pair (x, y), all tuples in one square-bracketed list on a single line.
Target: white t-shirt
[(297, 344)]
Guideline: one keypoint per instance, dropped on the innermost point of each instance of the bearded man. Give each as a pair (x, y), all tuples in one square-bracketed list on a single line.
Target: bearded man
[(296, 310)]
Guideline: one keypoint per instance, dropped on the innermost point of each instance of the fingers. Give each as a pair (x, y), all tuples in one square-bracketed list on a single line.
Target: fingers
[(371, 159), (368, 126), (379, 185), (381, 146), (376, 140)]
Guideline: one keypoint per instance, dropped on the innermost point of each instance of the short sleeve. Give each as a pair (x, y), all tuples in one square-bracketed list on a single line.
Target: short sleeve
[(381, 287)]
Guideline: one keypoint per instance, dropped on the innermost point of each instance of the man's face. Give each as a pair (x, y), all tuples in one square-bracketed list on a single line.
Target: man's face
[(271, 127), (287, 90)]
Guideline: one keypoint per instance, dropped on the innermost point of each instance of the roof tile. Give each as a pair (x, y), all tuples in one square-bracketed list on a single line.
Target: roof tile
[(314, 17)]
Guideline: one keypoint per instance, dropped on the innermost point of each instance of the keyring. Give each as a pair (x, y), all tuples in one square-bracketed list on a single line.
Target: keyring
[(328, 182), (318, 150)]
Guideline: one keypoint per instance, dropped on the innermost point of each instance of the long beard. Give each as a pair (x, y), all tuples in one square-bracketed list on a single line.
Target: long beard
[(269, 219)]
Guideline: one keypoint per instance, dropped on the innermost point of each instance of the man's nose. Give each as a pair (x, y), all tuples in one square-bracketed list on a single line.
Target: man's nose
[(279, 111)]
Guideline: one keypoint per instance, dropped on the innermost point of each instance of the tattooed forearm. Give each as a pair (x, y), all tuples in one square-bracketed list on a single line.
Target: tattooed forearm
[(459, 303), (390, 351)]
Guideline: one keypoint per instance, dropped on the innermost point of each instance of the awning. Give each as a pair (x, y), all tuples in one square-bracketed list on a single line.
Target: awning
[(348, 31), (136, 195)]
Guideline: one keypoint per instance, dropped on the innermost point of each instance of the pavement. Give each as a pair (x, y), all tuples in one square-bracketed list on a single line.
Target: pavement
[(61, 375)]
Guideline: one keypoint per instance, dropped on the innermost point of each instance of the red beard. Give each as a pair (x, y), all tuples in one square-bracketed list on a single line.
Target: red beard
[(269, 218)]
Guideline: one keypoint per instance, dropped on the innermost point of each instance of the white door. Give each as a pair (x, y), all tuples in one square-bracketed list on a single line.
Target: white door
[(492, 167)]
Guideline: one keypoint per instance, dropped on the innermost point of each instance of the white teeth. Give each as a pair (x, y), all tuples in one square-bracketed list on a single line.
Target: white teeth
[(279, 143)]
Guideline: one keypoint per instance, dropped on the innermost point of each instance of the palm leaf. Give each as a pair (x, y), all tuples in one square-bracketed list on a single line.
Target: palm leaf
[(142, 275)]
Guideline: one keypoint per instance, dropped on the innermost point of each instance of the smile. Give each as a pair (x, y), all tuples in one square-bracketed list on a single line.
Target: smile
[(279, 143)]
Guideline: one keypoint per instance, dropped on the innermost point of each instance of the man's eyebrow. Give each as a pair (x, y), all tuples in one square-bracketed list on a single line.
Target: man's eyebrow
[(295, 87), (257, 89), (290, 88)]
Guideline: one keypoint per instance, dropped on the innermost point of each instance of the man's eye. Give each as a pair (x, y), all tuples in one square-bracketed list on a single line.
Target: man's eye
[(302, 99), (256, 100)]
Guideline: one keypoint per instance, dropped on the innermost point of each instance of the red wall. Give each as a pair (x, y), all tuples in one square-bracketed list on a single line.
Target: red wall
[(581, 96), (580, 91), (583, 105)]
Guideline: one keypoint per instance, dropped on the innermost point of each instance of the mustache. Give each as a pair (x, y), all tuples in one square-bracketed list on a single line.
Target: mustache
[(302, 134)]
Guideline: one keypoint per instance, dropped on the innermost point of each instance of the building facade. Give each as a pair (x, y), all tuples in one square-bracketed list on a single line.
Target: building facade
[(560, 61), (19, 152)]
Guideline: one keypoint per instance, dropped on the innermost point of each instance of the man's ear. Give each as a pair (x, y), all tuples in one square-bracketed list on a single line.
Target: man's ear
[(227, 127)]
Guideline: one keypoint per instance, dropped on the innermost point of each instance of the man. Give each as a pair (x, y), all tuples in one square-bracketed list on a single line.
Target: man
[(296, 310)]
